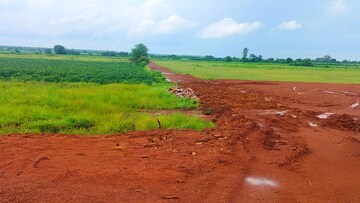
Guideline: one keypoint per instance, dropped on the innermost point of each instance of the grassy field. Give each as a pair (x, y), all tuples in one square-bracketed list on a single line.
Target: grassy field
[(28, 106), (265, 72)]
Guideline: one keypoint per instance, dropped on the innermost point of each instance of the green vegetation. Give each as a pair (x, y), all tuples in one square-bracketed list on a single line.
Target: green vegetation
[(86, 95), (139, 54), (264, 71), (64, 57), (80, 108), (32, 69)]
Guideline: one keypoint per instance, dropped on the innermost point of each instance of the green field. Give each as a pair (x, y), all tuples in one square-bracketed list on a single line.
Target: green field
[(265, 72), (50, 70), (30, 105)]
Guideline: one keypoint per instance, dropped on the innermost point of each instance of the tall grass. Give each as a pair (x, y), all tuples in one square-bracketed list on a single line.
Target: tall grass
[(83, 108)]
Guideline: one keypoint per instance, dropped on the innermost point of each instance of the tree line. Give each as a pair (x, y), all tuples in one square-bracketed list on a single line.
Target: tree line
[(252, 58)]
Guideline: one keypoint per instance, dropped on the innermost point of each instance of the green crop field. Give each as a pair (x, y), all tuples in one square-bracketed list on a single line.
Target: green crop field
[(50, 70), (265, 72), (42, 95)]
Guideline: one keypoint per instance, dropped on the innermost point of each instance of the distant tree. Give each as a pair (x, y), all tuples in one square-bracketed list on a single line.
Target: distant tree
[(327, 58), (228, 59), (108, 53), (48, 51), (271, 60), (139, 54), (245, 53), (17, 51), (253, 58), (58, 49), (123, 54), (209, 58), (260, 58), (303, 62), (72, 52), (289, 60)]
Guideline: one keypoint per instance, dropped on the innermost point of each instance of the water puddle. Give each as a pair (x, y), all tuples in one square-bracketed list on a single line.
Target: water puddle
[(261, 182), (329, 92), (281, 113), (168, 73), (325, 115), (313, 124), (351, 93), (354, 105)]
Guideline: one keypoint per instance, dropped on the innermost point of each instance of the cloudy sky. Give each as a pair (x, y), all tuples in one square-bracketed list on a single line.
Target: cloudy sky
[(273, 28)]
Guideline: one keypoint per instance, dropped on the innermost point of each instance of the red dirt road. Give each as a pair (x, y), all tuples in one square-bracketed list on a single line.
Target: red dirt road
[(268, 146)]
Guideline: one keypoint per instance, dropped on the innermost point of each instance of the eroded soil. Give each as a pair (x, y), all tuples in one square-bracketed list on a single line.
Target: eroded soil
[(268, 146)]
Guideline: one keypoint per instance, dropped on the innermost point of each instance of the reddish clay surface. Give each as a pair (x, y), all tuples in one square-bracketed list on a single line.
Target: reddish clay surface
[(262, 131)]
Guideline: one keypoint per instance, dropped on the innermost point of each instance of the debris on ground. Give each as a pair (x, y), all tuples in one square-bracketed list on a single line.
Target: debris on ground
[(183, 93)]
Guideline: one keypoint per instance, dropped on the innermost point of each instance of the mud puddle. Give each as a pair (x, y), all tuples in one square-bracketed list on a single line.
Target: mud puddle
[(261, 182)]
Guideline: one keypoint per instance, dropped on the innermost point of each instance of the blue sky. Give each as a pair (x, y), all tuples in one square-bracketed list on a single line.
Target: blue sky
[(272, 28)]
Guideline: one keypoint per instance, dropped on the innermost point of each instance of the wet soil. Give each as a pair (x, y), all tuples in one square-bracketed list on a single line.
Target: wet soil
[(262, 150)]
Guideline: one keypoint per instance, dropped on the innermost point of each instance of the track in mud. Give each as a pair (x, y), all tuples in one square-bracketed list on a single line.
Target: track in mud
[(269, 145)]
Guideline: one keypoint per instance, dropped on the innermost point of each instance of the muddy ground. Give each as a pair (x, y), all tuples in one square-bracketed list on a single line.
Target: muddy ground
[(268, 146)]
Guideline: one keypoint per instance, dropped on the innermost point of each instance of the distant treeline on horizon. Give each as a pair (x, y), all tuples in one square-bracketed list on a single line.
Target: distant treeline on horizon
[(325, 60)]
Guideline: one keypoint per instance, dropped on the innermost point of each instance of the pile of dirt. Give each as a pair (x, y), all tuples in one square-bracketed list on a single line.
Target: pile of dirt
[(343, 122), (183, 93)]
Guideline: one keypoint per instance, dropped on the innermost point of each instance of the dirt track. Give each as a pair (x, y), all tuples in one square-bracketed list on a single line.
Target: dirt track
[(263, 131)]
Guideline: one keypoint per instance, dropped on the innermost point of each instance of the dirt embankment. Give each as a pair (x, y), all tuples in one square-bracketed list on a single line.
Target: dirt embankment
[(268, 146)]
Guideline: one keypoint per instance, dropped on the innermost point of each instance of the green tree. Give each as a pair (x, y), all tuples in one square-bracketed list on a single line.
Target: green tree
[(58, 49), (245, 53), (139, 54), (289, 60), (253, 58), (48, 51), (228, 59)]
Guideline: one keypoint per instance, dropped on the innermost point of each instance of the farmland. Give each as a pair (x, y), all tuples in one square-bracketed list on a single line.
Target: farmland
[(50, 70), (265, 71), (42, 95)]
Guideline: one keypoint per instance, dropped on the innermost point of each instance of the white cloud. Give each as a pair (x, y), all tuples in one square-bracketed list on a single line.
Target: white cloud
[(227, 27), (89, 18), (289, 25), (173, 24), (169, 25), (338, 6)]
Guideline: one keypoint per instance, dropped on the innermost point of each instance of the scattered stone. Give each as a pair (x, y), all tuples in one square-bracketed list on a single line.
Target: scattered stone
[(183, 93), (193, 153), (313, 124), (145, 156), (354, 105)]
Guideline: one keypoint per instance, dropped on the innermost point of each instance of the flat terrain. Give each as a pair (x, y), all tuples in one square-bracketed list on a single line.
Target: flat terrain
[(87, 96), (265, 71), (268, 146)]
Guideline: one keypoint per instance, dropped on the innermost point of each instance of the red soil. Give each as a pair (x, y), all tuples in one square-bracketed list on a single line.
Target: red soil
[(262, 131)]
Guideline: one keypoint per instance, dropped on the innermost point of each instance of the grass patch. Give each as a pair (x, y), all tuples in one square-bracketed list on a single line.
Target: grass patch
[(264, 72), (83, 108)]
